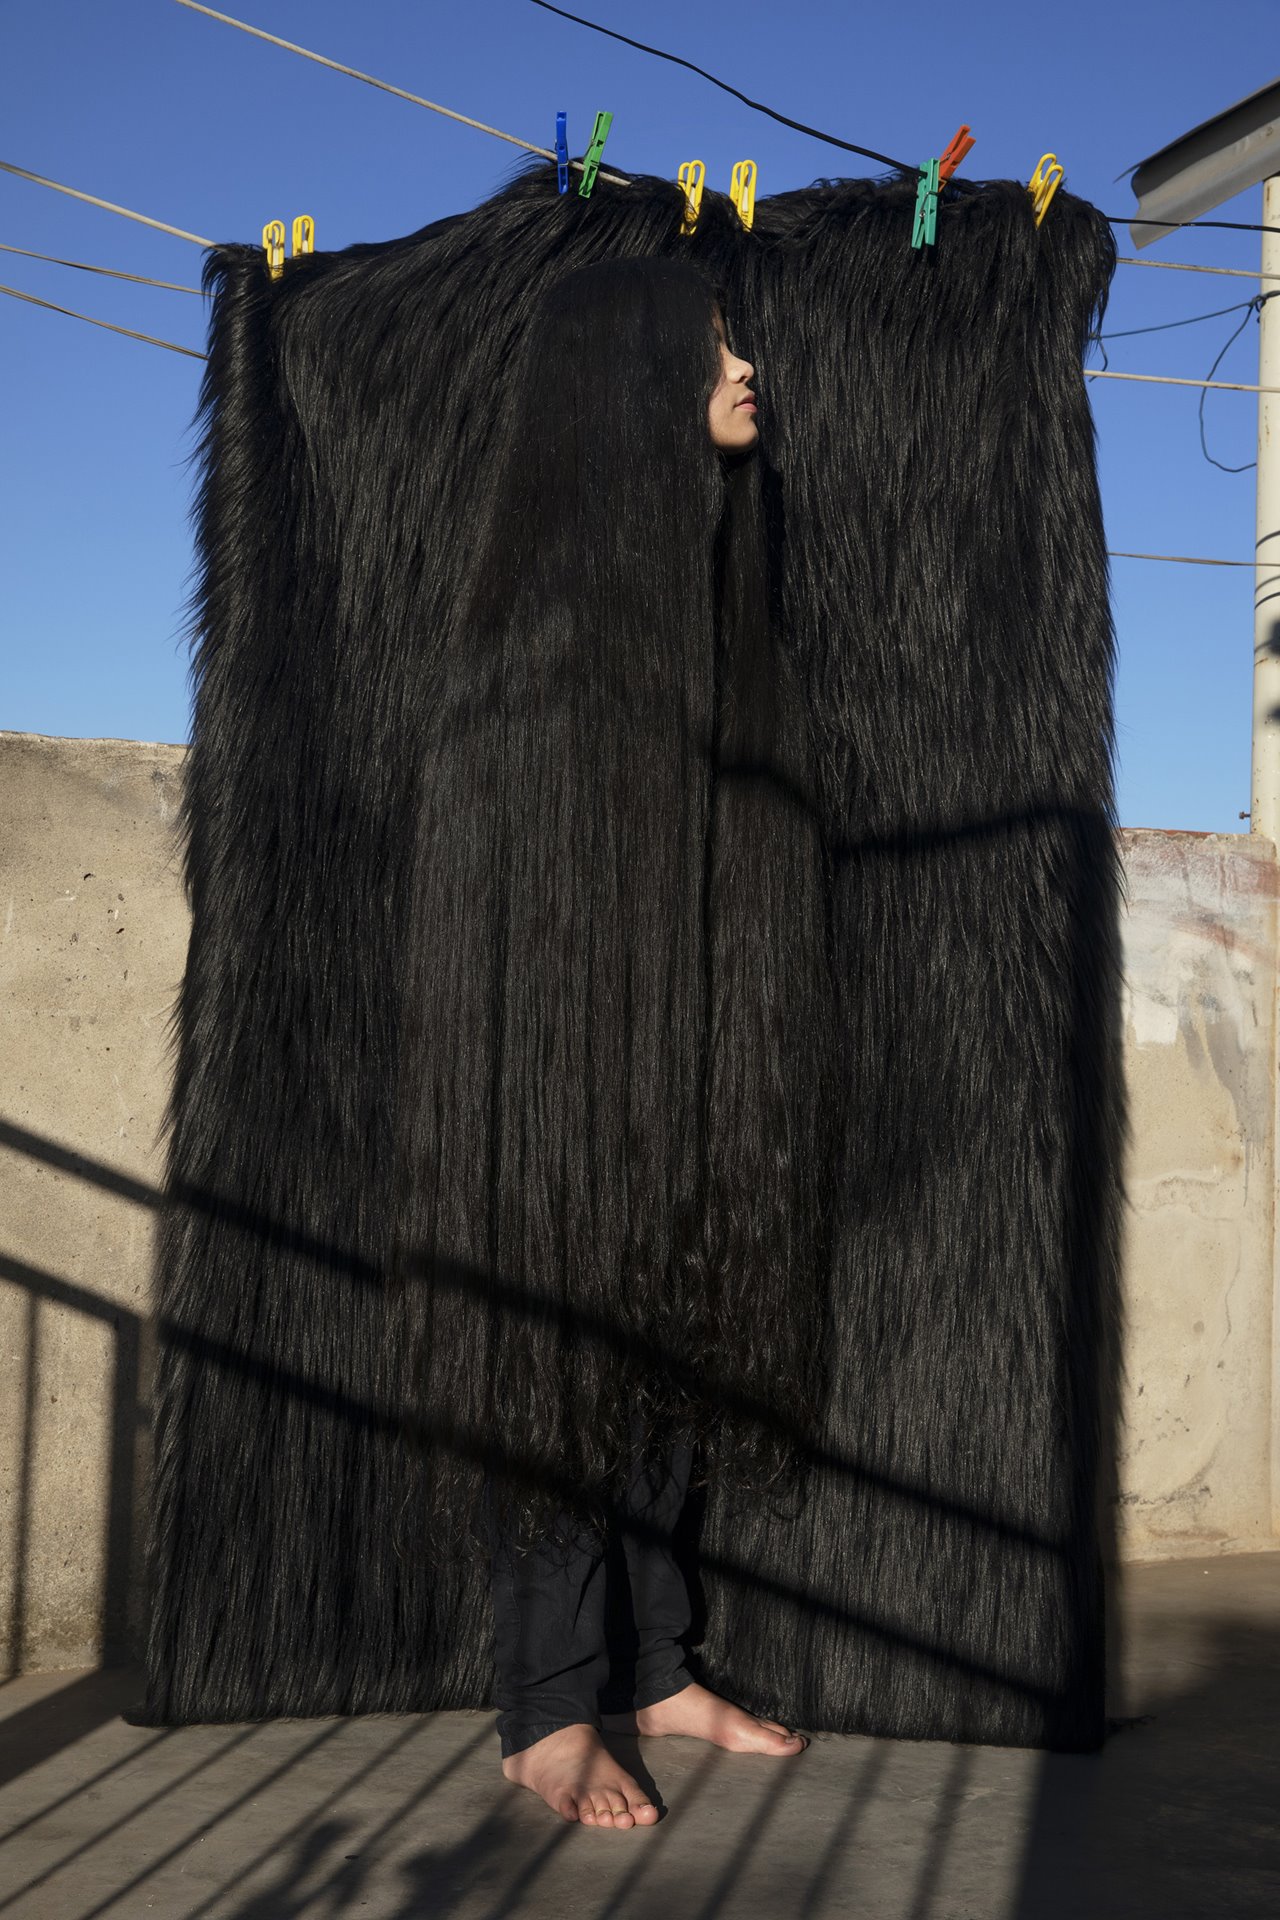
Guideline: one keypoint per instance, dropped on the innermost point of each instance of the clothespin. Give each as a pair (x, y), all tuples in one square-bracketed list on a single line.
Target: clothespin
[(562, 152), (742, 190), (273, 244), (693, 178), (926, 221), (1044, 183), (304, 234), (961, 142), (591, 159)]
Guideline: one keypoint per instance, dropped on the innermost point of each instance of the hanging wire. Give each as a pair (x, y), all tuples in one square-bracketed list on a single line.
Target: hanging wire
[(1163, 326), (1187, 266), (547, 153), (1255, 305), (1116, 220), (150, 338), (1173, 380), (291, 46), (113, 272), (144, 219), (756, 106), (1184, 559)]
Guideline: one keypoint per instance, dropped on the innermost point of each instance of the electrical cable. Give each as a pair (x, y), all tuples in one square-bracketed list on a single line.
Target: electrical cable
[(1116, 220), (1163, 326), (756, 106), (1253, 305), (1258, 301)]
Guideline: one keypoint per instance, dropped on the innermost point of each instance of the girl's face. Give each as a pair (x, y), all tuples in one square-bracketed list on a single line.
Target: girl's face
[(731, 410)]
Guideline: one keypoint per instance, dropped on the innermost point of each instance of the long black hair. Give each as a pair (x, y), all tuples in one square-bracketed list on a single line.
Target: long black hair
[(602, 1164)]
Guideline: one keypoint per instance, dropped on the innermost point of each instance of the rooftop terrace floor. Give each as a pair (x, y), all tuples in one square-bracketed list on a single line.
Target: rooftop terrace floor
[(382, 1817)]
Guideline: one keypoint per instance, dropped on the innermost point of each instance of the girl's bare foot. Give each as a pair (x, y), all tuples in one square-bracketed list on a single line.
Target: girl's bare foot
[(703, 1715), (579, 1779)]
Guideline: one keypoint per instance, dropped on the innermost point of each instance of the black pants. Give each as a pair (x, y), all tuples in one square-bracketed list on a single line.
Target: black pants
[(580, 1630)]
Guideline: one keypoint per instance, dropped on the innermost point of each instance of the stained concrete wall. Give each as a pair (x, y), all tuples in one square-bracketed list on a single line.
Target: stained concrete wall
[(93, 944), (1198, 1465), (93, 939)]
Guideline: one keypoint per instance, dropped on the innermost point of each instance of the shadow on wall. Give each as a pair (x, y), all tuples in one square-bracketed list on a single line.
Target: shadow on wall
[(1182, 1798), (119, 1635), (122, 1634)]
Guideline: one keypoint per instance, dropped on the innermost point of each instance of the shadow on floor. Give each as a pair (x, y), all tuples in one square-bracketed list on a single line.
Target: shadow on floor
[(407, 1817)]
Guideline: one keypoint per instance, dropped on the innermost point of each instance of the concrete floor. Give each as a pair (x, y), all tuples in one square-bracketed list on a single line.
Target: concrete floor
[(1179, 1817)]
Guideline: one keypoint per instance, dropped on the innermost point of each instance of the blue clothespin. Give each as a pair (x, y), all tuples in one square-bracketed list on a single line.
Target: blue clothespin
[(926, 220), (562, 152), (591, 159)]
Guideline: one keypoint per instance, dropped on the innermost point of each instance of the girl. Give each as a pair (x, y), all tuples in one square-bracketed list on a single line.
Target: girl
[(617, 878)]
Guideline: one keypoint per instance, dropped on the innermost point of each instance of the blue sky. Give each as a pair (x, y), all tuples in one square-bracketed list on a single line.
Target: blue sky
[(159, 109)]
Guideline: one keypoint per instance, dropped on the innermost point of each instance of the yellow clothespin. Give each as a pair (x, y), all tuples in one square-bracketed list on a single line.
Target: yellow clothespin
[(742, 190), (273, 243), (304, 234), (693, 178), (1044, 183)]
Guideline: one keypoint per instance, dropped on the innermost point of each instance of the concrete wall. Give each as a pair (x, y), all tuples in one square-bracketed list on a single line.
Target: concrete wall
[(93, 939), (92, 951), (1198, 1468)]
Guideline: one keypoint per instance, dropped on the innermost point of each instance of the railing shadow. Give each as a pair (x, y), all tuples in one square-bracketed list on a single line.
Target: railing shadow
[(84, 1705), (1176, 1816)]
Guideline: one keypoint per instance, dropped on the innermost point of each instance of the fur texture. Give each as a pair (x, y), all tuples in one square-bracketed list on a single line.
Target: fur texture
[(948, 1201), (616, 1010)]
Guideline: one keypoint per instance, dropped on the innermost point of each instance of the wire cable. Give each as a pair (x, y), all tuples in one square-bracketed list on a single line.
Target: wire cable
[(1253, 305), (291, 46), (1163, 326), (114, 272), (150, 338), (1187, 559), (1257, 303), (1188, 266), (757, 106), (41, 180), (1171, 380)]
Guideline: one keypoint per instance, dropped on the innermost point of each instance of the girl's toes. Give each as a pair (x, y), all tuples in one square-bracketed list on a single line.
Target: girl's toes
[(567, 1807), (644, 1812), (783, 1732)]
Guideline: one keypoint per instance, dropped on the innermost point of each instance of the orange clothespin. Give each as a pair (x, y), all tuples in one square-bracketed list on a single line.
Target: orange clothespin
[(273, 245), (961, 142), (1044, 183)]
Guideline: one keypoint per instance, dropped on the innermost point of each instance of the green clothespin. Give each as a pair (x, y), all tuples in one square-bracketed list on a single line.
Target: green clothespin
[(926, 220), (591, 160)]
